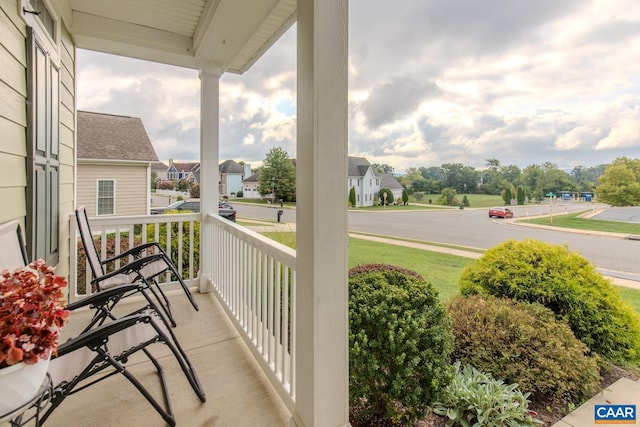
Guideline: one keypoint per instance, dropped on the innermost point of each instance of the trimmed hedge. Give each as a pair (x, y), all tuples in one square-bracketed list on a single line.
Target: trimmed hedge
[(523, 343), (399, 345), (566, 283)]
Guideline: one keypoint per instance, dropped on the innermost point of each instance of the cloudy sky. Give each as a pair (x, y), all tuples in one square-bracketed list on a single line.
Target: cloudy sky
[(430, 82)]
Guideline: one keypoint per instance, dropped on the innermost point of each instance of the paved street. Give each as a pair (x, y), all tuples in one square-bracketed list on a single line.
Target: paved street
[(473, 228)]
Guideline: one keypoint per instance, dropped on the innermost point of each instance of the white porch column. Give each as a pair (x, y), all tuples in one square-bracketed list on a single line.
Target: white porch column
[(322, 378), (209, 144)]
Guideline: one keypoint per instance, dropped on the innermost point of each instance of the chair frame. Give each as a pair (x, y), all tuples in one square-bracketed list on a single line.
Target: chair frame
[(105, 365), (96, 334), (135, 267)]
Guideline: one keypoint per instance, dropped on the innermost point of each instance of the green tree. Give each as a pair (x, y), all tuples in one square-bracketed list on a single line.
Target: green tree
[(507, 196), (448, 197), (183, 185), (520, 196), (383, 168), (278, 175), (352, 196), (465, 201), (154, 179), (405, 196), (620, 184), (386, 197), (194, 191)]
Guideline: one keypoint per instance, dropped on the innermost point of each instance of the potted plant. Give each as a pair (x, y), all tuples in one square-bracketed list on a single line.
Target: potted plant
[(31, 315)]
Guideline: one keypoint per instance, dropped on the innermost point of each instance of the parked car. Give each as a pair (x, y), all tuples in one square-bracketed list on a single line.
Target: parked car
[(500, 213), (225, 210)]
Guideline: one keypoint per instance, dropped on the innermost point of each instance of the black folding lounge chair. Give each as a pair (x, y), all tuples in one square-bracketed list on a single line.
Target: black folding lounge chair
[(13, 255), (106, 343), (144, 268), (102, 352)]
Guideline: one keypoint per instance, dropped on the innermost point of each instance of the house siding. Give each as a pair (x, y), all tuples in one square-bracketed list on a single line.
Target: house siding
[(13, 119), (67, 131), (13, 123), (130, 197)]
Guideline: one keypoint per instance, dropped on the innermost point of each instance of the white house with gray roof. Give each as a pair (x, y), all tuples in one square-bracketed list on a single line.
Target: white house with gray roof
[(114, 164), (365, 179)]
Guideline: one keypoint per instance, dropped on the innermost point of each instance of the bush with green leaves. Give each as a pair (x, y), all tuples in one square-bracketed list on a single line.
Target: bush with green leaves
[(385, 196), (523, 343), (400, 343), (185, 250), (474, 398), (565, 282)]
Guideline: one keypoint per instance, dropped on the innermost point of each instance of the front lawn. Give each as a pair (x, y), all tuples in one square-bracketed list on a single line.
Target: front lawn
[(441, 270), (572, 220)]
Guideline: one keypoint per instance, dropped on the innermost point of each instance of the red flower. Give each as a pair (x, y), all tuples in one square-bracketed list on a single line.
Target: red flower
[(31, 313)]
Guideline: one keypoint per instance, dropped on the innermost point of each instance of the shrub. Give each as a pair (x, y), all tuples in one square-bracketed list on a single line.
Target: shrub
[(240, 194), (175, 238), (352, 196), (385, 196), (474, 398), (465, 201), (523, 343), (166, 185), (194, 191), (448, 197), (399, 345), (566, 283)]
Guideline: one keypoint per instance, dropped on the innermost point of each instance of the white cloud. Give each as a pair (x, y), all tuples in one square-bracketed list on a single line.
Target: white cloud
[(429, 83), (625, 132)]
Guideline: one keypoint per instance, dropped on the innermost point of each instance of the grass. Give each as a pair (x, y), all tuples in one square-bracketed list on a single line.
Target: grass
[(572, 220), (632, 296), (475, 200), (260, 202), (406, 239), (441, 270), (409, 207)]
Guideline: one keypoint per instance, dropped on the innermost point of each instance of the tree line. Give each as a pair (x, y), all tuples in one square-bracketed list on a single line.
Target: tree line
[(617, 183)]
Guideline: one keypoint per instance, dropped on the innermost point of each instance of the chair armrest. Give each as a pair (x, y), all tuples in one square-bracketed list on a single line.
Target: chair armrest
[(96, 336), (102, 297), (134, 251), (132, 267)]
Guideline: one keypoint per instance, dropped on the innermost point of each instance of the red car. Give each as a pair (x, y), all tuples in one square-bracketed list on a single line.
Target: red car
[(500, 213)]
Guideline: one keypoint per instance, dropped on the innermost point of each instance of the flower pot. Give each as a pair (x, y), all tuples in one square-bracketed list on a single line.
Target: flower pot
[(20, 383)]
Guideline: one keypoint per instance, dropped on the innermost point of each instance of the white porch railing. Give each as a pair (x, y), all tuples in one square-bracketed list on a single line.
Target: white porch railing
[(255, 279), (177, 234)]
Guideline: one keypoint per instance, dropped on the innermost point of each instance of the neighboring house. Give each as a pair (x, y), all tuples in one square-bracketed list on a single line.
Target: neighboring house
[(231, 176), (365, 179), (250, 187), (114, 164), (189, 171), (160, 169), (389, 181)]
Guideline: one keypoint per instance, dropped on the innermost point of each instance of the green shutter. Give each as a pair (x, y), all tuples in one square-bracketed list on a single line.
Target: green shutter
[(43, 167)]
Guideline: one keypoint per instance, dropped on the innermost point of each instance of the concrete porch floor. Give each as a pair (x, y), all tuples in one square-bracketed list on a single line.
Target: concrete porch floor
[(238, 393)]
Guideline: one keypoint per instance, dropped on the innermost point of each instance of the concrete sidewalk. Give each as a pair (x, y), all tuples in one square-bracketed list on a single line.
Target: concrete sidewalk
[(626, 280), (622, 392)]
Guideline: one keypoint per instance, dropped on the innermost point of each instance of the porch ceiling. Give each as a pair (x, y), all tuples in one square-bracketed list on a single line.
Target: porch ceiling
[(226, 34)]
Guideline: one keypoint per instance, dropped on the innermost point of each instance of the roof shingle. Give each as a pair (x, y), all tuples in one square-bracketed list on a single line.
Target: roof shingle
[(112, 137)]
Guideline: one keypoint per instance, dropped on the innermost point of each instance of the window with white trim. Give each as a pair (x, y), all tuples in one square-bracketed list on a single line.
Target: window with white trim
[(106, 200)]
